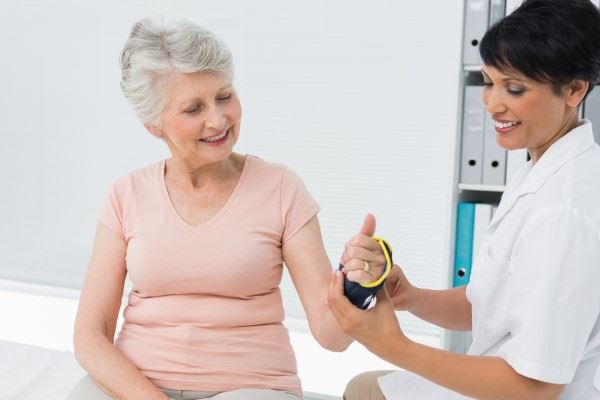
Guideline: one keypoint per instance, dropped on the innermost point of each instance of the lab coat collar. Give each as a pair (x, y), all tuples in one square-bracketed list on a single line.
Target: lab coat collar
[(564, 149)]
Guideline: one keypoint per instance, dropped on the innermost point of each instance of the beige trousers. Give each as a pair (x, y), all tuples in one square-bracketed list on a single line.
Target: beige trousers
[(365, 386), (86, 389)]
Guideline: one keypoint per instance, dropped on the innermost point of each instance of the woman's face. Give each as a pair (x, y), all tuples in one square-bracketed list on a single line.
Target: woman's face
[(201, 119), (527, 114)]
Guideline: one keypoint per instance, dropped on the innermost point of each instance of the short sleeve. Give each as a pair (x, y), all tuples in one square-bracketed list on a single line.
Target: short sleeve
[(111, 213), (554, 294), (297, 204)]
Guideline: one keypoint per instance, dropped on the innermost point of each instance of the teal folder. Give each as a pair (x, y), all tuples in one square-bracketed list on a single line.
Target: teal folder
[(463, 253)]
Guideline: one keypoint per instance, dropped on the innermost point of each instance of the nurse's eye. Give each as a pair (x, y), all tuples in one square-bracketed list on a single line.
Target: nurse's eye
[(515, 91)]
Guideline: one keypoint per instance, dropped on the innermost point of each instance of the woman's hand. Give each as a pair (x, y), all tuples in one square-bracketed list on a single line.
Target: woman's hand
[(376, 328), (363, 258)]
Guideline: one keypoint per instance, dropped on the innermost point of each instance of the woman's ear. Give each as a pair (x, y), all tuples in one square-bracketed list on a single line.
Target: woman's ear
[(575, 91), (154, 130)]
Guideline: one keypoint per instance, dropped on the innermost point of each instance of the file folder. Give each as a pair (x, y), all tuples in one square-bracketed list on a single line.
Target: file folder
[(497, 11), (515, 159), (494, 156), (463, 253), (471, 161), (476, 23), (591, 111), (483, 216), (512, 5)]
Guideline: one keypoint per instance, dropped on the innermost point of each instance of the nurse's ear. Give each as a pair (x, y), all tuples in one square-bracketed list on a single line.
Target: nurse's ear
[(575, 92)]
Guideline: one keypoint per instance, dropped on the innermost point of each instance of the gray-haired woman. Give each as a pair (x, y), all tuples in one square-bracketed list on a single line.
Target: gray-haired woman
[(203, 236)]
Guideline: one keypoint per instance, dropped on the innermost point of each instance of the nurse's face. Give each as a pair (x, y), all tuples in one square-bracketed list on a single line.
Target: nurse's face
[(529, 114)]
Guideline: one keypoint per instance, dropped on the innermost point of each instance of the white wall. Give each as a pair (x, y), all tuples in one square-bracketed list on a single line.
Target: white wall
[(359, 97)]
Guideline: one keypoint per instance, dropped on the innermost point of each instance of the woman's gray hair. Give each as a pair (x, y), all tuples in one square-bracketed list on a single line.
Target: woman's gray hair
[(156, 49)]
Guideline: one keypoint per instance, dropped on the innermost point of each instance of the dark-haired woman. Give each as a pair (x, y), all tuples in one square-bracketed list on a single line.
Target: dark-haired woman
[(533, 302)]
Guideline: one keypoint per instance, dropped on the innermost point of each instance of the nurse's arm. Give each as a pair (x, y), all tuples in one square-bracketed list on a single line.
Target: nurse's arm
[(448, 308), (479, 377)]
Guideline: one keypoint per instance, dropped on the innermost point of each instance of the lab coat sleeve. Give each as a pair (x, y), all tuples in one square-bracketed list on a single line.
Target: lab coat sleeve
[(554, 294)]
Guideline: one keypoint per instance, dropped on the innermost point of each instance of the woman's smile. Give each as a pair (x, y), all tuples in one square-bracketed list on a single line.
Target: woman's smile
[(216, 140)]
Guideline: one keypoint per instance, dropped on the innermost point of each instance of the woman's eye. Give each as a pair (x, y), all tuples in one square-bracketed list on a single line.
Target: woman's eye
[(224, 98), (192, 110)]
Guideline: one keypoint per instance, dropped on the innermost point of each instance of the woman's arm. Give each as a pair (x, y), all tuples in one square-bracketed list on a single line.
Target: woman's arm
[(310, 269), (96, 321), (480, 377)]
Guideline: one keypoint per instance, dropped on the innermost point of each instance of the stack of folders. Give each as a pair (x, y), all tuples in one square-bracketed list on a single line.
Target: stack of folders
[(479, 16), (472, 220), (591, 111), (483, 161)]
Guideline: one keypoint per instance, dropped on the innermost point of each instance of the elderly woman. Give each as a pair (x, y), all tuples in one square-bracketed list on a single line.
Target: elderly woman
[(203, 236), (533, 302)]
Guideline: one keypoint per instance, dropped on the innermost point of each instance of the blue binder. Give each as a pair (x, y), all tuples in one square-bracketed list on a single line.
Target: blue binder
[(463, 253)]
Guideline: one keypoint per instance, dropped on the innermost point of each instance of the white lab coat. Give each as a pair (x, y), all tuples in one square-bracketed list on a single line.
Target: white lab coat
[(535, 282)]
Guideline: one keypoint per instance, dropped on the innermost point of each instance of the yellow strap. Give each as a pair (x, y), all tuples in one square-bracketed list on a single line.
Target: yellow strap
[(382, 243)]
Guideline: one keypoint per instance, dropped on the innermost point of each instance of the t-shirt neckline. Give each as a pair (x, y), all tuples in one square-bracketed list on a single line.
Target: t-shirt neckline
[(232, 197)]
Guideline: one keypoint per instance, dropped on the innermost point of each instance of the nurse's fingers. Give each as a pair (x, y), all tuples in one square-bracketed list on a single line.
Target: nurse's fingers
[(341, 308)]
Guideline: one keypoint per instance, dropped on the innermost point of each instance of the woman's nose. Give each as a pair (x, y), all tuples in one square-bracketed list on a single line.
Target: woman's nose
[(215, 118)]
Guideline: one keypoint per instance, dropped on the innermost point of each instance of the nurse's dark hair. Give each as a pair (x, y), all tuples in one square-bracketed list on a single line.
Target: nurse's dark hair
[(548, 41)]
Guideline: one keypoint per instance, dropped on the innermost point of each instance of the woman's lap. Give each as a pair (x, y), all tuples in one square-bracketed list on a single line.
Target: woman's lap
[(86, 389)]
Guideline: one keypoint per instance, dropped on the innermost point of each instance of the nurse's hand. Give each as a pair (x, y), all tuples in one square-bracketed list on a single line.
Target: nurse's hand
[(402, 293), (363, 259), (376, 328)]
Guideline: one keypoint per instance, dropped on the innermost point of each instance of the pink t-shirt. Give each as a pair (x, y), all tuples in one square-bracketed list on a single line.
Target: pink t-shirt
[(205, 312)]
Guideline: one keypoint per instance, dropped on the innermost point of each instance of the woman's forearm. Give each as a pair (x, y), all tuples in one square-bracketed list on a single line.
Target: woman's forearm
[(449, 308), (111, 370), (329, 335), (480, 377)]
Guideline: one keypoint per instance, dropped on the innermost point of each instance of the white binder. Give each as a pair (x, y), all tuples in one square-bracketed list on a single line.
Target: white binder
[(473, 127), (512, 5), (515, 159), (591, 111), (476, 23), (497, 11), (494, 156)]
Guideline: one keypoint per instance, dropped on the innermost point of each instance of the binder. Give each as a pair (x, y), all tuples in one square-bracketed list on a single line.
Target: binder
[(591, 111), (512, 5), (494, 156), (483, 216), (515, 159), (463, 251), (471, 224), (497, 11), (476, 23), (471, 161)]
